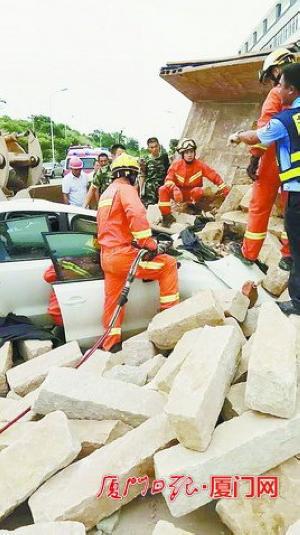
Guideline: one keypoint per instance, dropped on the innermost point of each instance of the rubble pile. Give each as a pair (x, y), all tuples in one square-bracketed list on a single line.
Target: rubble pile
[(210, 389)]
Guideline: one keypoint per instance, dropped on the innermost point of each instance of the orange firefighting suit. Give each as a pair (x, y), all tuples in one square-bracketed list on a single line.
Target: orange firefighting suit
[(122, 219), (53, 306), (184, 183), (265, 187)]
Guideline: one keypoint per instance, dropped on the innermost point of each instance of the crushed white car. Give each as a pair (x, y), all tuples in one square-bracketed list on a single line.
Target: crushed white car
[(33, 233)]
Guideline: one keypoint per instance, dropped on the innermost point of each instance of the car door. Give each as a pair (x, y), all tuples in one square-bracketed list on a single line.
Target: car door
[(81, 295), (23, 261)]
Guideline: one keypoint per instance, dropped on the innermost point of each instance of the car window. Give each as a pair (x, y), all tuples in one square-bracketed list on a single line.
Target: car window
[(84, 223), (88, 163), (21, 239), (52, 217), (75, 255)]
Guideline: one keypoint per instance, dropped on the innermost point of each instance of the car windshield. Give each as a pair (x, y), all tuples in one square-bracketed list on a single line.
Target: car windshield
[(88, 163), (48, 165)]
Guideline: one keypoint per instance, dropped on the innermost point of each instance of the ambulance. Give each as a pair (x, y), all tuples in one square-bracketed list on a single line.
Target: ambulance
[(87, 154)]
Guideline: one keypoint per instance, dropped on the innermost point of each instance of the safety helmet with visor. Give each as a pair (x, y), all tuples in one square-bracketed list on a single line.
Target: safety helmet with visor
[(277, 58)]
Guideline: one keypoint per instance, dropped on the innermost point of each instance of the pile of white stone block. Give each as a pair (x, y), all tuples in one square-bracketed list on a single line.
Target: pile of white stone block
[(211, 388)]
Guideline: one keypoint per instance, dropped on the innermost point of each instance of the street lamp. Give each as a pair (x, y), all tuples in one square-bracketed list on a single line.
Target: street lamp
[(51, 121)]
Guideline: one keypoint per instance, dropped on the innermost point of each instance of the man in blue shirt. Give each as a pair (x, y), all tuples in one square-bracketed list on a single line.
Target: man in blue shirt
[(284, 129)]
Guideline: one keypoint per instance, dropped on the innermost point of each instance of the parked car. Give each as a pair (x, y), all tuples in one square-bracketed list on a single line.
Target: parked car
[(53, 171), (33, 233)]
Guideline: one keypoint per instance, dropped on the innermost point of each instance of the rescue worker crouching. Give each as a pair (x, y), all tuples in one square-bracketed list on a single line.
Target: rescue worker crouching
[(121, 221), (184, 181)]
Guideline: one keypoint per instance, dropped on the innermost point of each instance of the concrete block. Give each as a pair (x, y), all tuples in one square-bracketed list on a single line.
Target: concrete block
[(10, 408), (109, 524), (85, 397), (233, 303), (6, 362), (234, 404), (138, 349), (212, 232), (169, 326), (29, 349), (272, 370), (167, 373), (18, 431), (128, 374), (250, 322), (237, 220), (264, 515), (275, 281), (152, 366), (49, 528), (270, 252), (27, 463), (93, 434), (295, 320), (98, 363), (249, 444), (128, 456), (166, 528), (28, 376), (198, 392)]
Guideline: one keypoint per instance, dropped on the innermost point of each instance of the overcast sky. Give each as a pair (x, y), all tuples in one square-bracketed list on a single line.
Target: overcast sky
[(108, 53)]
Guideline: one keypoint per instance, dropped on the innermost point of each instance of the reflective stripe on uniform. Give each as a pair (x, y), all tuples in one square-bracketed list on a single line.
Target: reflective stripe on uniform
[(169, 298), (295, 157), (284, 236), (169, 183), (142, 234), (115, 331), (291, 173), (151, 265), (180, 178), (164, 203), (222, 186), (105, 202), (255, 235), (194, 177)]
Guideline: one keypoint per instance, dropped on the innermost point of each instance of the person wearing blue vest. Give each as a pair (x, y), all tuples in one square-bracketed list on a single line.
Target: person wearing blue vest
[(284, 129)]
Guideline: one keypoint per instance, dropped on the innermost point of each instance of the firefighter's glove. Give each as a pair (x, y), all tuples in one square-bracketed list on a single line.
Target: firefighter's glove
[(163, 247), (150, 254), (252, 167), (234, 139)]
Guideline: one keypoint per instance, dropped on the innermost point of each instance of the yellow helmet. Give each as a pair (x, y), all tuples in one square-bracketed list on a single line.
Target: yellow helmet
[(125, 162), (278, 57), (185, 144)]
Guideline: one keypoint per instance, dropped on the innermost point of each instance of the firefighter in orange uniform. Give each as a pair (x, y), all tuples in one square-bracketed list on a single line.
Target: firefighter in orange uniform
[(121, 221), (263, 170), (53, 306), (184, 181)]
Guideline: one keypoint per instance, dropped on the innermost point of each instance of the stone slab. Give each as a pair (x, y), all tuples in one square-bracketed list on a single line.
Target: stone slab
[(234, 404), (233, 199), (264, 515), (249, 444), (167, 373), (6, 362), (276, 281), (250, 322), (233, 303), (270, 252), (83, 396), (234, 323), (152, 366), (245, 201), (94, 434), (198, 392), (272, 369), (28, 376), (212, 232), (166, 528), (27, 463), (29, 349), (242, 369), (127, 374), (130, 455), (48, 528), (167, 327), (294, 529), (138, 349)]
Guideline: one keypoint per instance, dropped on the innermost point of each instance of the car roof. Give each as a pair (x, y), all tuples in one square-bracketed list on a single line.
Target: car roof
[(37, 205)]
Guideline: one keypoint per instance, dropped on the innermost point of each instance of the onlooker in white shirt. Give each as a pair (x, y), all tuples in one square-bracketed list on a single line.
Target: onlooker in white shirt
[(74, 184)]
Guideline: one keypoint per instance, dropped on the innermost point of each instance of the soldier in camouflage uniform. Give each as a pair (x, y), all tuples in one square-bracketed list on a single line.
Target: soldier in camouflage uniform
[(154, 171), (102, 178)]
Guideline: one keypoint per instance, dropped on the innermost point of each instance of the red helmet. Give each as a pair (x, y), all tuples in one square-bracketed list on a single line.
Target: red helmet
[(75, 163)]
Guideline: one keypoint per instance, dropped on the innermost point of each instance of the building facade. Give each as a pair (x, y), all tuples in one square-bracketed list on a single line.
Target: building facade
[(279, 26)]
